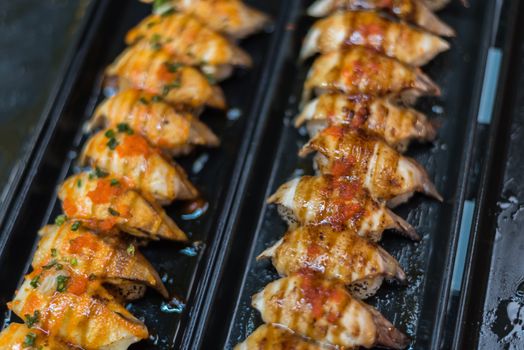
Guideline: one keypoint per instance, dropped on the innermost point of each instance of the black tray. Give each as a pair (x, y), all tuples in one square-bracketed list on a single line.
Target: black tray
[(186, 270), (258, 154), (490, 311), (424, 308)]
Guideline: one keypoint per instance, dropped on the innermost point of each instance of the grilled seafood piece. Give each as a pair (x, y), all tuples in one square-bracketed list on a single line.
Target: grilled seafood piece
[(358, 70), (18, 336), (337, 201), (104, 257), (157, 72), (369, 29), (388, 175), (191, 42), (174, 131), (343, 256), (75, 310), (105, 203), (324, 311), (129, 156), (231, 17), (414, 11), (397, 125), (273, 337)]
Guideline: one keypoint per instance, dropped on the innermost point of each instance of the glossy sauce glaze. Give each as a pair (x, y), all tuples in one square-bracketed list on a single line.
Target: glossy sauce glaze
[(396, 124), (414, 11), (384, 172), (357, 70), (115, 206), (368, 29)]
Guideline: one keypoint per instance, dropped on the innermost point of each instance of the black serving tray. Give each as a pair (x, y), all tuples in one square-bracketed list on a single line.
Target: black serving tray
[(217, 276), (187, 270), (426, 309)]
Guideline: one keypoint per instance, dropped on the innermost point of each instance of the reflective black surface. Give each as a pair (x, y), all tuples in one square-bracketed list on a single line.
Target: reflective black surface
[(35, 42)]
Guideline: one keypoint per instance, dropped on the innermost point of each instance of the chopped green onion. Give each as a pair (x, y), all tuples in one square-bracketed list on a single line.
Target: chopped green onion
[(49, 265), (110, 133), (30, 339), (115, 182), (35, 282), (100, 173), (61, 283), (30, 320), (131, 250), (124, 127), (60, 219), (53, 252), (75, 226), (173, 67), (112, 143)]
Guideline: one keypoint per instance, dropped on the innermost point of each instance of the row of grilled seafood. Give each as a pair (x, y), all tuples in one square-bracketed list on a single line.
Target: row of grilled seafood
[(88, 263), (360, 123)]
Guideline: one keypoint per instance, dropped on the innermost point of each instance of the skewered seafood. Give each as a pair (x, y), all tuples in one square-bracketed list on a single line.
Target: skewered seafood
[(369, 29), (104, 257), (172, 130), (191, 43), (397, 125), (157, 72), (232, 17), (75, 310), (272, 337), (336, 255), (337, 201), (324, 311), (358, 70), (18, 336), (414, 11), (383, 171), (129, 156), (105, 203)]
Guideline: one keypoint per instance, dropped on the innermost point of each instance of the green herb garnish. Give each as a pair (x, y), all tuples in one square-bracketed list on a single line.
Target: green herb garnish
[(49, 265), (61, 283), (60, 219), (109, 133), (174, 85), (35, 282), (75, 226), (173, 67), (131, 250), (112, 143), (100, 173), (143, 100), (124, 127), (54, 253), (114, 182), (74, 262), (30, 320), (30, 339)]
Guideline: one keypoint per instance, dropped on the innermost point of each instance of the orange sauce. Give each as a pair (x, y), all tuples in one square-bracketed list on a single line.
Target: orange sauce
[(133, 145), (104, 192), (86, 241), (77, 284), (69, 206)]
